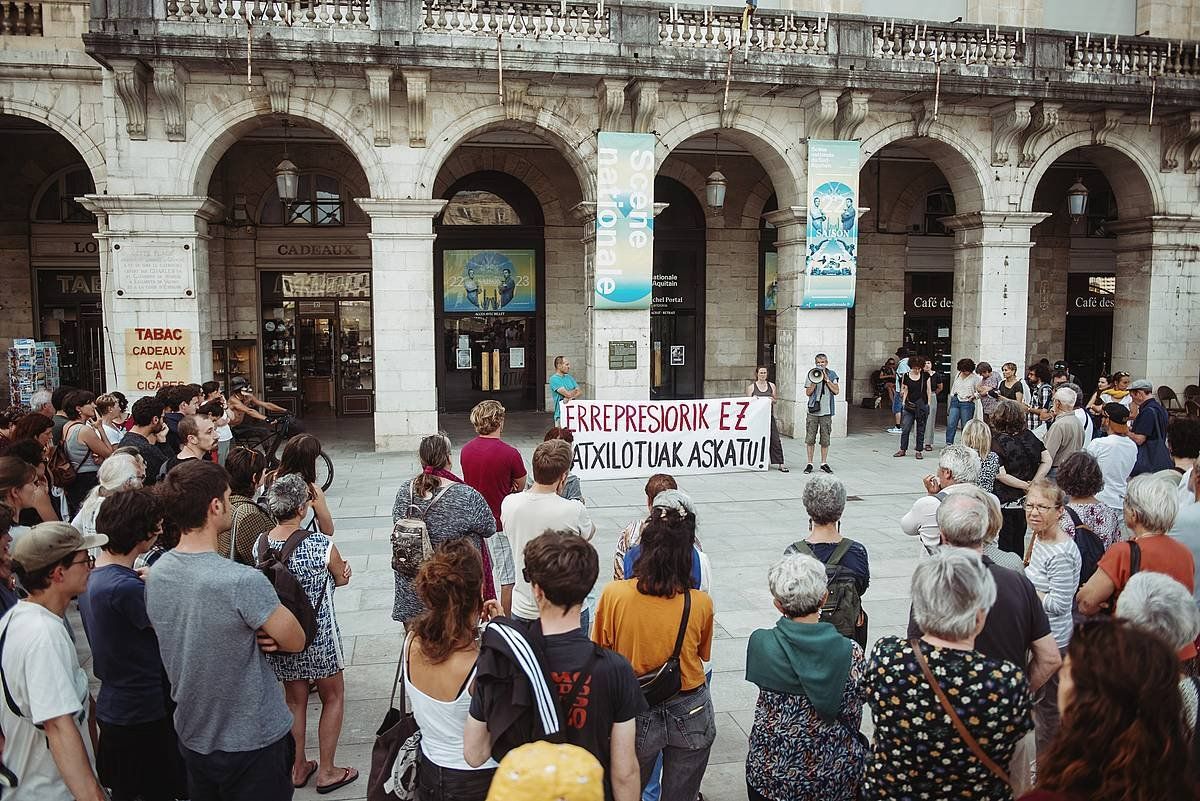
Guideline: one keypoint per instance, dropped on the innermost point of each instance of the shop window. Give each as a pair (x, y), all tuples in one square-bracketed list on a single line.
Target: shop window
[(1102, 209), (938, 203), (319, 201), (56, 201), (490, 198), (479, 207)]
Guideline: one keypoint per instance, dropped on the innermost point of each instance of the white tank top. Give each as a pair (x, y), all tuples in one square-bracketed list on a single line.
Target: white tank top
[(442, 724)]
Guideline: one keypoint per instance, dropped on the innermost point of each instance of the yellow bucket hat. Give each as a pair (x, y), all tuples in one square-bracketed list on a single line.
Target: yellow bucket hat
[(544, 771)]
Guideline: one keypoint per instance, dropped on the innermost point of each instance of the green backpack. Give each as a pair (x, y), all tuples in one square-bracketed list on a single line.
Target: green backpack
[(843, 607)]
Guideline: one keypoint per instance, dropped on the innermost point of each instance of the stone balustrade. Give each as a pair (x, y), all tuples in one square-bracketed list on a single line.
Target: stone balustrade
[(1137, 55), (777, 33), (20, 19), (955, 45), (534, 20), (302, 13)]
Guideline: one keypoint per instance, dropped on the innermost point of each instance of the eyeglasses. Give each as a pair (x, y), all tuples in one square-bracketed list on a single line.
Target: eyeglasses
[(87, 559), (1037, 507)]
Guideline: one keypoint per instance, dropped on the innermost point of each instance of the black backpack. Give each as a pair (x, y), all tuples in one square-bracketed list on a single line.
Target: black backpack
[(843, 607), (1091, 549), (291, 593)]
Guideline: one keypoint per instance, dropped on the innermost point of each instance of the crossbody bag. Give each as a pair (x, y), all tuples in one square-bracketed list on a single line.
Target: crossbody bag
[(959, 726), (662, 684)]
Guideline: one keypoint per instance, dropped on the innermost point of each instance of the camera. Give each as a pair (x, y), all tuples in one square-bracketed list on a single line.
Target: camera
[(816, 375)]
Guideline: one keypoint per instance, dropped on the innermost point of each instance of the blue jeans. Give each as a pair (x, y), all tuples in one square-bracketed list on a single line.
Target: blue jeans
[(959, 410), (906, 425), (680, 731), (652, 791)]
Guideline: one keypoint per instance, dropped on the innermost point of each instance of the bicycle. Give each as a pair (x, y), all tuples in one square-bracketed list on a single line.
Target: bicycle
[(280, 432)]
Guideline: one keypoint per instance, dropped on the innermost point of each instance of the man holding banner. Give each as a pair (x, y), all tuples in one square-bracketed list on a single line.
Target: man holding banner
[(820, 385)]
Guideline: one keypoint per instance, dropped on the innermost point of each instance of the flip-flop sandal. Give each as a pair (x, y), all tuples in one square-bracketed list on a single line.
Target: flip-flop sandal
[(310, 768), (351, 775)]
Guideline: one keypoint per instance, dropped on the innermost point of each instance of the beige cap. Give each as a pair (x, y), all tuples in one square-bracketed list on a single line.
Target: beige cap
[(47, 543), (544, 771)]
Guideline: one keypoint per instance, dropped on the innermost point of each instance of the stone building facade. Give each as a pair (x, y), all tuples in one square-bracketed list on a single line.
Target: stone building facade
[(139, 142)]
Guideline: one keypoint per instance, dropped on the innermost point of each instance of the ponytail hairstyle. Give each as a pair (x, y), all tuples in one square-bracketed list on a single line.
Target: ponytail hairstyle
[(450, 585), (435, 454), (664, 566)]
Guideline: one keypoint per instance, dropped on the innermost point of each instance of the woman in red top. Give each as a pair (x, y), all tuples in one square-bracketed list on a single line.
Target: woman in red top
[(1123, 736), (1150, 508)]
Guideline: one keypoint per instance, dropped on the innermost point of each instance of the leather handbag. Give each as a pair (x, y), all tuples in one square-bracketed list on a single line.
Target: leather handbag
[(961, 728), (666, 682), (397, 742)]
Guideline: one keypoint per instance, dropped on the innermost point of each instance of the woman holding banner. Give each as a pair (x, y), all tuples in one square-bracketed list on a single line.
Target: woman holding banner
[(762, 388)]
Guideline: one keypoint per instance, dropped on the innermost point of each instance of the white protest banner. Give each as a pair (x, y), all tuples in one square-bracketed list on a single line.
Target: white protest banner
[(625, 439)]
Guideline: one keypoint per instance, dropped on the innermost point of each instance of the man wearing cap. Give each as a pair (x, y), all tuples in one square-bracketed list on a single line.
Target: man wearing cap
[(1115, 452), (245, 419), (44, 714), (1148, 429)]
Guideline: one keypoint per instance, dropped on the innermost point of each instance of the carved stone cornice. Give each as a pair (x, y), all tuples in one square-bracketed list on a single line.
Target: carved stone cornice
[(731, 106), (610, 93), (1008, 122), (279, 88), (379, 86), (1180, 134), (1104, 122), (416, 88), (170, 84), (853, 105), (820, 112), (922, 113), (515, 94), (644, 96), (1043, 121), (130, 78)]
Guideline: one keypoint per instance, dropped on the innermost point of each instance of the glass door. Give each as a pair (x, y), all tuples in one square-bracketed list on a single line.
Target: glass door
[(315, 355), (673, 374), (488, 357)]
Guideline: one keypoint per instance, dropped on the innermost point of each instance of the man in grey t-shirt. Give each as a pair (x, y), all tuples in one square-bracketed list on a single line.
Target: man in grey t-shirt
[(233, 723), (820, 411)]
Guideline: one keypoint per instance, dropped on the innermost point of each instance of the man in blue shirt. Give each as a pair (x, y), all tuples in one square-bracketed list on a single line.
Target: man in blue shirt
[(820, 411), (901, 369), (562, 385)]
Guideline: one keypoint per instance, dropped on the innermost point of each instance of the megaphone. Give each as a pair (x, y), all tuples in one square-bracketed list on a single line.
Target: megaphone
[(816, 375)]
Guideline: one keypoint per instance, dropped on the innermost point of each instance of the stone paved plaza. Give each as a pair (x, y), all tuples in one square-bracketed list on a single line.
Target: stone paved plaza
[(746, 520)]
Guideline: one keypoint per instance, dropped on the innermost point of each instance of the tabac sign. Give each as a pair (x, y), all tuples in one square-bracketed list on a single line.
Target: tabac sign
[(157, 357)]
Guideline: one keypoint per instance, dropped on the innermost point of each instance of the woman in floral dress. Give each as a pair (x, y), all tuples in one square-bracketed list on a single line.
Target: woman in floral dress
[(319, 568), (918, 753)]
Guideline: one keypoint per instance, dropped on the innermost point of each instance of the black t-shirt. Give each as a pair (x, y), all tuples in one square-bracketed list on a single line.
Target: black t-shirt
[(1017, 619), (152, 455), (1020, 457), (610, 694), (916, 389)]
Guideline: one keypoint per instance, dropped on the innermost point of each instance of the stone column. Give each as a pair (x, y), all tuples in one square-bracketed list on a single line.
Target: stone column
[(154, 282), (1156, 322), (404, 336), (604, 326), (991, 285), (802, 333)]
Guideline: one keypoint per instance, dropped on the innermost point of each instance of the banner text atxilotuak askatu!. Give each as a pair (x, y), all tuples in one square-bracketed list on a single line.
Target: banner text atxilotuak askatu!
[(625, 439)]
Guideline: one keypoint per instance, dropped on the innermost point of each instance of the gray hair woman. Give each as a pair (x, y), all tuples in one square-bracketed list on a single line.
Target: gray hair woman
[(1151, 505), (1161, 605), (825, 499), (917, 750), (121, 471), (317, 565), (805, 742)]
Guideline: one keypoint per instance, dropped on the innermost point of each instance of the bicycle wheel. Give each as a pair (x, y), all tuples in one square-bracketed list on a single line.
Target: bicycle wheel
[(324, 471)]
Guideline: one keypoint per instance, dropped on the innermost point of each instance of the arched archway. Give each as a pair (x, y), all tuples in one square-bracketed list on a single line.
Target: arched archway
[(678, 308), (1122, 163), (89, 146), (965, 168)]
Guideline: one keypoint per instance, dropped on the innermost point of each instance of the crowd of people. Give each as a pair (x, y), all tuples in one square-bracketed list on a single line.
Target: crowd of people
[(1050, 653)]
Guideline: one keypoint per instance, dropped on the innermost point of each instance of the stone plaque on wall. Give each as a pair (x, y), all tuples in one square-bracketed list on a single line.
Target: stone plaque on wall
[(622, 355), (149, 269)]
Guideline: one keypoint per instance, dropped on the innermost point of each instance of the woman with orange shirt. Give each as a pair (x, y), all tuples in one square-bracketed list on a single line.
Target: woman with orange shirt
[(641, 618), (1151, 505)]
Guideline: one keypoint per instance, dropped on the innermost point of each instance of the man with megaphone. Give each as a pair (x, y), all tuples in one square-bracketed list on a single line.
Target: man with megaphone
[(820, 385)]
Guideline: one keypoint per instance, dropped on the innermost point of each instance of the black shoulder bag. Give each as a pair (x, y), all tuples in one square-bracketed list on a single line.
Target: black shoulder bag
[(666, 682)]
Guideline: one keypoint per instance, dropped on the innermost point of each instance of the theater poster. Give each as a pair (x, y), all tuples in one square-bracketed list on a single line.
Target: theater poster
[(489, 281), (624, 220), (831, 253)]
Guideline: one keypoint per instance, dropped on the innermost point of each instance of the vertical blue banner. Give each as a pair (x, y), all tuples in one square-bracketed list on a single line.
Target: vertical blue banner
[(831, 255), (624, 220)]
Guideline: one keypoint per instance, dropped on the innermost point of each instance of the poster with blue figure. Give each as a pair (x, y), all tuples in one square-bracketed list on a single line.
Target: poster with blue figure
[(489, 280), (831, 253)]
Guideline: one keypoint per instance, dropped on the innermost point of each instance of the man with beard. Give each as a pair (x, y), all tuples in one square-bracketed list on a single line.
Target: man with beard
[(146, 435)]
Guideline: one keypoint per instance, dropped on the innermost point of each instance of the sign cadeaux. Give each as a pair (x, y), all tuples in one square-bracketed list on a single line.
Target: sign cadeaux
[(624, 220), (157, 357), (624, 439)]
